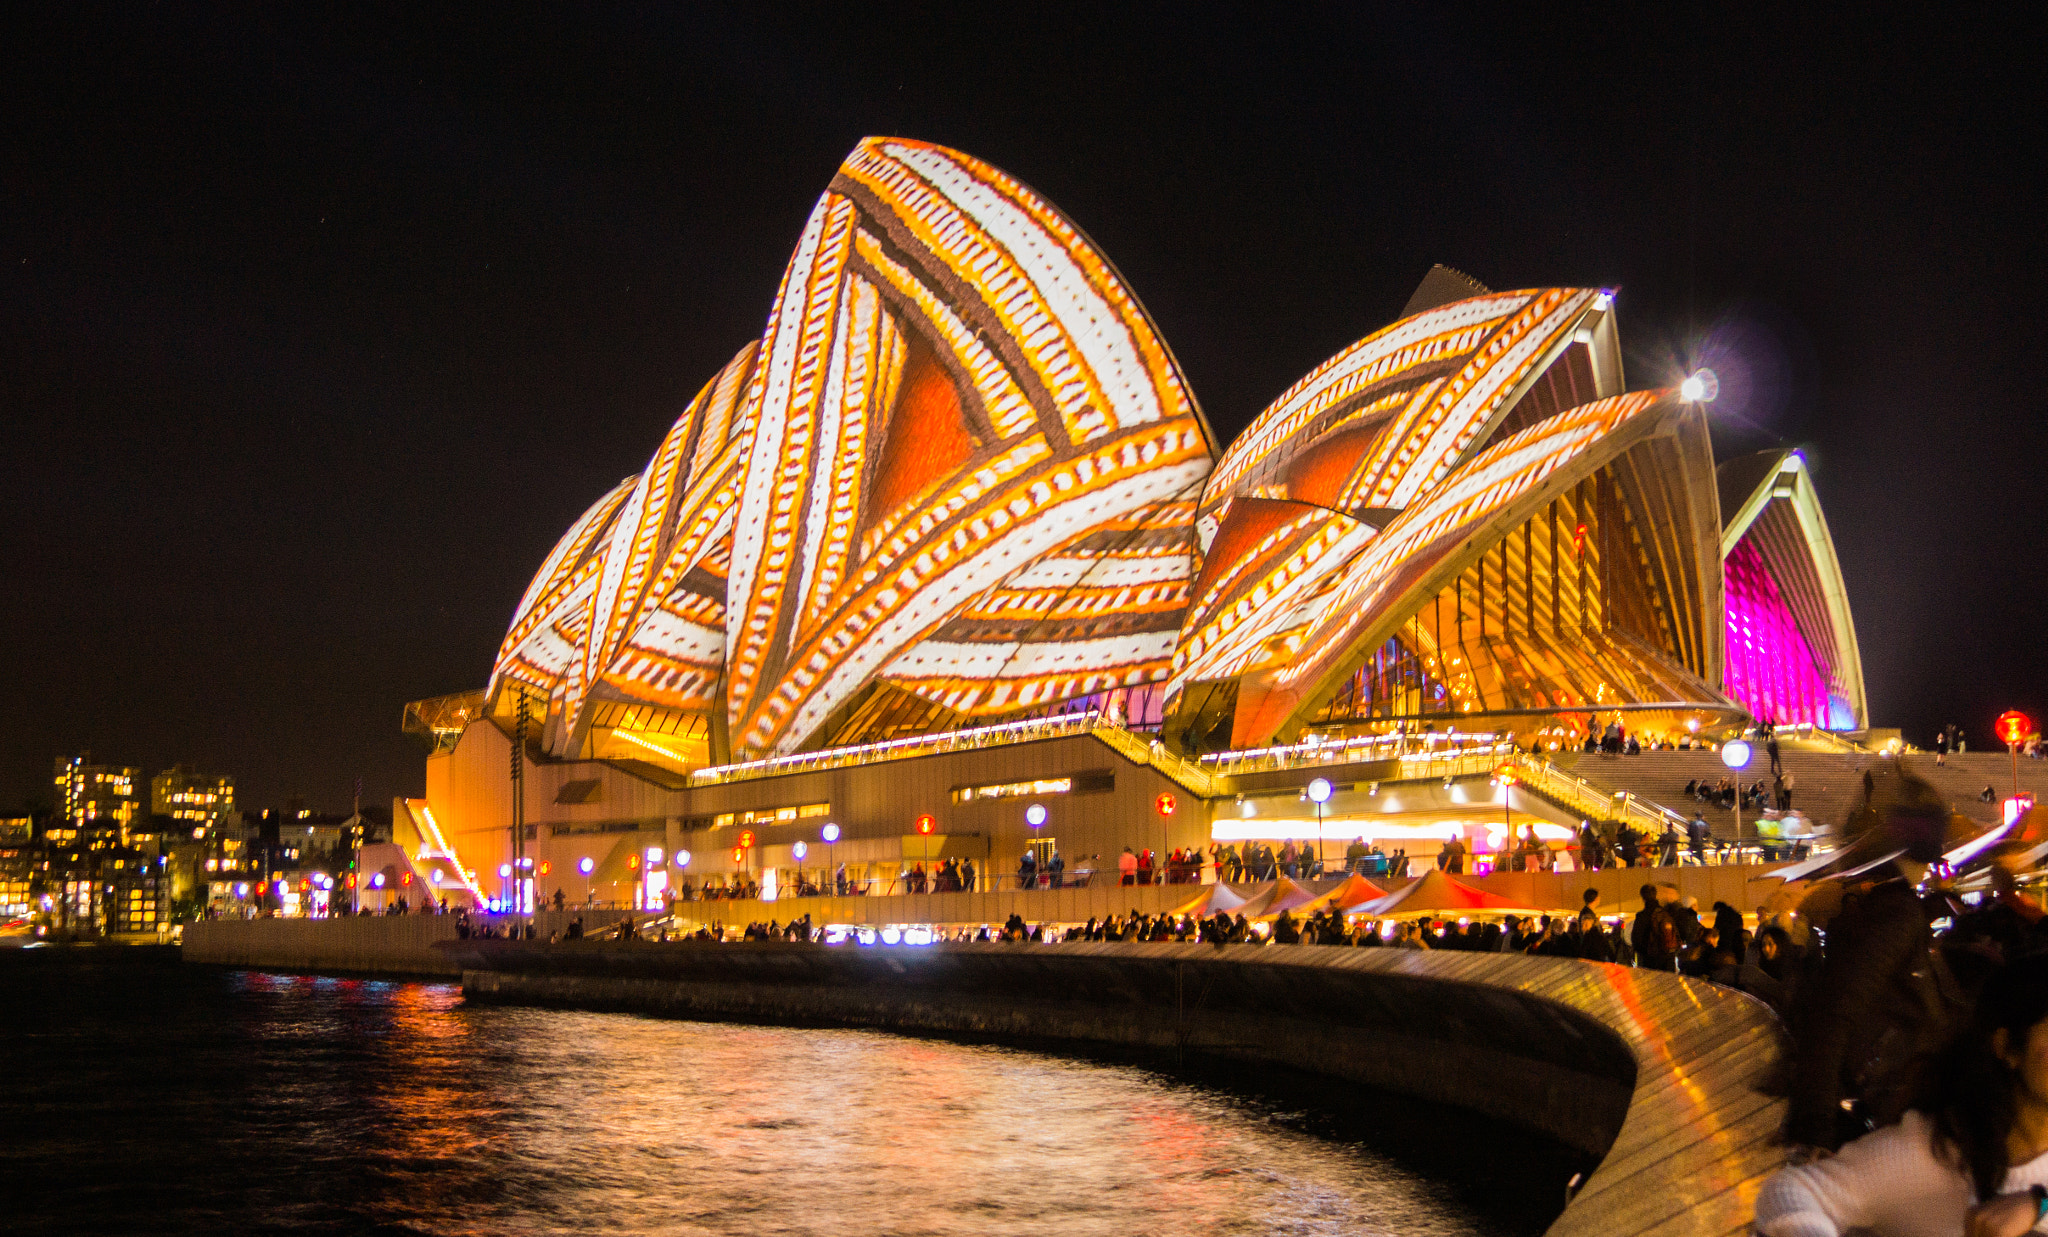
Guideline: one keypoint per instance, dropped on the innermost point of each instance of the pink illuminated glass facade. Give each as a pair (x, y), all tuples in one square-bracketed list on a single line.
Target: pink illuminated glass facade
[(1771, 669)]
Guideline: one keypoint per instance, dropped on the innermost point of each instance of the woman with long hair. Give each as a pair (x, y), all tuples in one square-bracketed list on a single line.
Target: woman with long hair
[(1970, 1159)]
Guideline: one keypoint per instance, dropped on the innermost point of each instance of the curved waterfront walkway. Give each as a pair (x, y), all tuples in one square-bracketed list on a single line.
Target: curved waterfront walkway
[(1653, 1073)]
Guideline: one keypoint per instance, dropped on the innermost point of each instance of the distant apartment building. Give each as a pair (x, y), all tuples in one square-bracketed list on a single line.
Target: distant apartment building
[(17, 865), (207, 841), (101, 805), (194, 801)]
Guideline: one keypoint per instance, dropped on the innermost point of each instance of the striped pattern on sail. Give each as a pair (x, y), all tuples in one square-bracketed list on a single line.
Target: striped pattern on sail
[(957, 399), (633, 599), (1398, 408), (1299, 642)]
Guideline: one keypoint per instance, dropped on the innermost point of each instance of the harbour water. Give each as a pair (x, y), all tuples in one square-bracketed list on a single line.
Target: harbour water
[(138, 1095)]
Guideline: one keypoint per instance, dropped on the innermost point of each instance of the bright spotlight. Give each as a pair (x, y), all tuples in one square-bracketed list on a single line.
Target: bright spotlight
[(1035, 815), (1702, 387), (584, 865), (681, 858), (1319, 790), (799, 850), (830, 833)]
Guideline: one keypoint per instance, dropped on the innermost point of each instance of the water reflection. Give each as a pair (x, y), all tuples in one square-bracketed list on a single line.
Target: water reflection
[(348, 1106)]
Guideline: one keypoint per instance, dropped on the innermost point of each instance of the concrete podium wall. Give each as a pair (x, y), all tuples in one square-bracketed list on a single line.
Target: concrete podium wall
[(395, 945)]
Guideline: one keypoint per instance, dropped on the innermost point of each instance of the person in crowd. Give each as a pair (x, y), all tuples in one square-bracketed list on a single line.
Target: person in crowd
[(1594, 946), (1027, 868), (1876, 1002), (1354, 855), (1654, 936), (1452, 858), (1727, 922), (1055, 871), (1229, 867), (1970, 1156), (1592, 855), (1127, 867)]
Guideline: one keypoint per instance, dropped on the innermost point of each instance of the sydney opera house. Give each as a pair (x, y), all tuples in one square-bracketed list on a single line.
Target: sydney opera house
[(950, 560)]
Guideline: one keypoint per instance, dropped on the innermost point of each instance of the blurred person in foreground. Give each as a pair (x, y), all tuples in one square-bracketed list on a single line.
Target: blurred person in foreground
[(1968, 1159)]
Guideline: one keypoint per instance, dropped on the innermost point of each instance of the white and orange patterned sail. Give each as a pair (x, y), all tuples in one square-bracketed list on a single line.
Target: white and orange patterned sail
[(631, 603), (1302, 637), (973, 466)]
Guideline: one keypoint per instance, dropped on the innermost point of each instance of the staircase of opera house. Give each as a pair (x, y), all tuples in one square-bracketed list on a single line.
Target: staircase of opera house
[(1827, 784)]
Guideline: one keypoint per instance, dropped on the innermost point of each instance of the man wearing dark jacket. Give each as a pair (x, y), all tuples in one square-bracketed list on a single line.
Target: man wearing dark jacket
[(1728, 926), (1653, 935)]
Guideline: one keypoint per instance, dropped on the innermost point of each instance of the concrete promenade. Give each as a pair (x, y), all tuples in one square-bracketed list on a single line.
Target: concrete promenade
[(1653, 1073)]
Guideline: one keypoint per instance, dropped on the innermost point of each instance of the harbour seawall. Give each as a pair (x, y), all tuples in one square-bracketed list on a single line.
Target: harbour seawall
[(1653, 1073), (400, 946)]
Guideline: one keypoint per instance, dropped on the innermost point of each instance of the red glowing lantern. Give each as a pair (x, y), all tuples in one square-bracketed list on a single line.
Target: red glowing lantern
[(926, 823), (406, 879), (1505, 775), (739, 855), (544, 867), (633, 861), (2013, 727), (1165, 803), (746, 839)]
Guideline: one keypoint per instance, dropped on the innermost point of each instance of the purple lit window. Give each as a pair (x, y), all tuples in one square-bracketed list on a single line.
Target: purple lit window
[(1771, 669)]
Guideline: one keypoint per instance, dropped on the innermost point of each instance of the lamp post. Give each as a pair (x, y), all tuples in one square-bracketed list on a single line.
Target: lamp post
[(2013, 727), (831, 835), (925, 824), (1736, 754), (1319, 793), (1504, 777), (1164, 804)]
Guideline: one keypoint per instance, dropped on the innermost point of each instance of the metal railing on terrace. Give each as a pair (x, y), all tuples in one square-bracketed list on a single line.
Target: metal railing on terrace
[(1581, 796), (900, 749), (1428, 754), (1811, 733), (1139, 749)]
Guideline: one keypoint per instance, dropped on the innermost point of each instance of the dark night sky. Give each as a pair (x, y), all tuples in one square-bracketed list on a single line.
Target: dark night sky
[(316, 332)]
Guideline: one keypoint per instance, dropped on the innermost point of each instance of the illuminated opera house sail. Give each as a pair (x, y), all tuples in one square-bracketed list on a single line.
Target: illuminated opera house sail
[(960, 480)]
